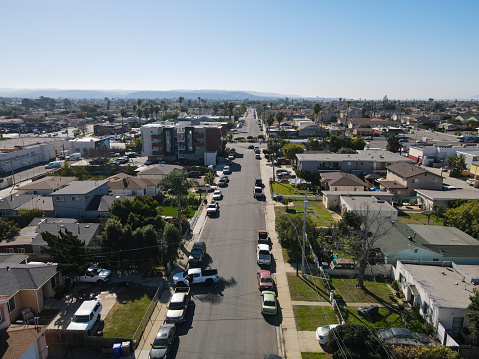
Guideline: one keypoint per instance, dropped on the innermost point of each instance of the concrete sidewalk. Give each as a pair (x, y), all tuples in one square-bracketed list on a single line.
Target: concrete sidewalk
[(288, 339)]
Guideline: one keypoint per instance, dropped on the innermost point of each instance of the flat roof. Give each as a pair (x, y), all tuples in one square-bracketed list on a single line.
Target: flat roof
[(363, 156), (450, 195), (79, 187), (444, 235), (448, 289), (367, 203), (359, 193)]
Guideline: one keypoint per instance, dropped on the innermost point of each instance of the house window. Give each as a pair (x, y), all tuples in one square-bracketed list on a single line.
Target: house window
[(75, 198), (35, 192), (98, 190), (415, 250), (20, 250), (55, 280), (87, 196), (10, 250), (60, 199), (415, 180), (57, 214), (434, 180), (11, 304)]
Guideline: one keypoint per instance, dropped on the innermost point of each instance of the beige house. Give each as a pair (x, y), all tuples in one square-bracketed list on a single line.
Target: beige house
[(157, 172), (404, 178), (46, 185), (341, 181), (132, 186), (368, 206)]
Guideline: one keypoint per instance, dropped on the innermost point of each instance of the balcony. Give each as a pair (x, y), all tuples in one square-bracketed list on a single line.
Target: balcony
[(181, 147), (159, 145), (180, 130), (181, 138), (198, 135), (198, 144), (158, 153), (156, 137)]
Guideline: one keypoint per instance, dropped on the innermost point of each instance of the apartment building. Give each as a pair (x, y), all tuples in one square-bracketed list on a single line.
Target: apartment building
[(182, 141)]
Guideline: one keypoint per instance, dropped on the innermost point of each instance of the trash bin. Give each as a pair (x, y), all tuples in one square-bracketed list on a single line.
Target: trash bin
[(125, 348), (117, 350), (280, 197)]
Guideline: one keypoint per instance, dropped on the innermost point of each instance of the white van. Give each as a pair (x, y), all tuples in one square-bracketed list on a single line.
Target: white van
[(54, 164), (86, 316), (74, 157)]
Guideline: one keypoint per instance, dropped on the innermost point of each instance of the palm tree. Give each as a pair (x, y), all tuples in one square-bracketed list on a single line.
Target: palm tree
[(165, 108), (280, 117), (180, 100), (317, 110), (139, 112), (146, 112), (199, 105), (177, 184), (226, 107), (157, 111), (139, 102), (269, 121), (123, 115), (151, 109), (231, 106), (134, 108)]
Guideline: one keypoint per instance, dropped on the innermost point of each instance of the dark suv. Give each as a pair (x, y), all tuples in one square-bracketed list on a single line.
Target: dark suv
[(197, 254), (258, 182)]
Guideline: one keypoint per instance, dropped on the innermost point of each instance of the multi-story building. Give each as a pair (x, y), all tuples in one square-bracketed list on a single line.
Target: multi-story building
[(182, 141)]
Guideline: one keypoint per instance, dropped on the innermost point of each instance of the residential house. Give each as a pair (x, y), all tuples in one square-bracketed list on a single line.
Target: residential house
[(429, 199), (441, 290), (310, 129), (44, 203), (109, 129), (132, 186), (353, 123), (45, 185), (363, 131), (404, 178), (368, 206), (9, 205), (332, 199), (362, 163), (100, 206), (340, 181), (427, 243), (20, 341), (72, 201), (156, 173), (10, 258), (27, 286)]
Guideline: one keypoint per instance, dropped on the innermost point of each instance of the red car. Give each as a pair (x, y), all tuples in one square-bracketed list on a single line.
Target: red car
[(265, 281)]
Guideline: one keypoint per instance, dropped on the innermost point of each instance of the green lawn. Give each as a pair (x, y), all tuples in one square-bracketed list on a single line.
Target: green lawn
[(285, 189), (374, 292), (125, 316), (310, 289), (419, 218), (316, 355), (386, 318), (316, 211), (173, 211), (311, 317)]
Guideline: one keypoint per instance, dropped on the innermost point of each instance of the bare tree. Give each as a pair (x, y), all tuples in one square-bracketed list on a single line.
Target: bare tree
[(82, 126), (358, 233)]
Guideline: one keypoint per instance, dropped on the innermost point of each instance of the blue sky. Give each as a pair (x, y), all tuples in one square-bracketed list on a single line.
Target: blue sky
[(350, 49)]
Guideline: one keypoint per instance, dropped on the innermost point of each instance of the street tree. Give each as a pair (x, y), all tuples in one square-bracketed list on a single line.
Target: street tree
[(290, 234), (68, 251), (358, 233), (231, 106), (423, 352), (393, 144), (280, 118), (355, 341), (146, 113), (269, 122), (317, 110), (291, 150), (157, 112), (110, 118), (170, 243), (177, 184), (209, 177), (180, 100), (81, 125), (139, 113), (457, 164), (139, 102)]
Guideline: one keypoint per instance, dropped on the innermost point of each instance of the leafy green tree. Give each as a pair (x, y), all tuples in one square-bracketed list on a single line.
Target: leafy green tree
[(423, 352), (290, 234), (68, 251), (177, 184), (139, 102), (346, 150), (25, 216), (355, 341), (269, 121), (146, 113), (291, 150), (231, 106), (473, 314), (393, 144), (123, 114), (465, 218), (171, 240), (139, 212), (8, 229), (280, 117), (110, 118), (317, 110), (457, 164), (209, 177)]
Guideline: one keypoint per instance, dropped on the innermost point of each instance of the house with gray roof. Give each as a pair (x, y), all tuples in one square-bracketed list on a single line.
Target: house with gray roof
[(340, 181), (332, 199), (72, 200), (157, 172), (100, 206), (28, 286), (368, 206), (9, 205), (429, 198), (360, 164), (428, 243), (45, 185)]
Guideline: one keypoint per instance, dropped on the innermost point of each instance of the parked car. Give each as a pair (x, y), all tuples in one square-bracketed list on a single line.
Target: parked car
[(265, 281), (343, 263), (403, 140), (258, 192), (217, 195), (226, 170), (268, 303), (195, 276), (226, 178), (471, 181), (263, 254), (222, 182), (148, 162), (322, 333), (258, 156), (251, 147), (447, 187), (54, 164), (258, 182), (402, 336), (95, 274), (212, 208), (263, 238), (194, 174), (197, 254), (163, 341), (86, 316), (231, 157), (178, 306)]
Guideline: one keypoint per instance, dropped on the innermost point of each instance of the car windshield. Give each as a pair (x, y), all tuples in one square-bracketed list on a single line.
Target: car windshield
[(266, 280), (81, 318), (96, 271), (269, 303), (263, 253), (176, 306), (257, 190), (212, 205), (325, 329), (196, 251), (160, 344)]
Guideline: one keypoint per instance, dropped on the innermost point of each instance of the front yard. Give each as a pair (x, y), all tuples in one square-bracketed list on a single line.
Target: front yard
[(125, 316), (312, 317), (388, 317), (316, 211)]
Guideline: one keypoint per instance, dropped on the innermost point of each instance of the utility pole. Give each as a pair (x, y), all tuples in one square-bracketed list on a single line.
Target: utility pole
[(272, 159), (306, 204)]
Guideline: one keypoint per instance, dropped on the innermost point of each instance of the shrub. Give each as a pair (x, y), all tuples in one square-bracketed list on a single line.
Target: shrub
[(395, 285)]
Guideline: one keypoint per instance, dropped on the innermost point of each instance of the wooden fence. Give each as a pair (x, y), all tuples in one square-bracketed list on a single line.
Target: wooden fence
[(64, 337)]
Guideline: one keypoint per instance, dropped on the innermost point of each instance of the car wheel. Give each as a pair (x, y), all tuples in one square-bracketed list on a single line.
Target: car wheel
[(99, 282), (99, 317), (209, 282)]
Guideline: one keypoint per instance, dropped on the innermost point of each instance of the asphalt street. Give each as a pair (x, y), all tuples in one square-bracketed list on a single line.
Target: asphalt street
[(226, 322)]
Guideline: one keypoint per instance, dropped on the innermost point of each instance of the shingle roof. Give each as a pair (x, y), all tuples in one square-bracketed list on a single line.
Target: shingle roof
[(15, 341), (21, 276), (407, 170), (161, 169), (39, 202), (14, 201), (80, 187), (11, 258), (341, 179), (392, 185), (48, 183), (363, 156), (124, 181), (84, 231), (103, 203)]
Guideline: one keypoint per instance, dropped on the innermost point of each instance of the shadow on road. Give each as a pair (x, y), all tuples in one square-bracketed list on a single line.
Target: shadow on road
[(214, 294)]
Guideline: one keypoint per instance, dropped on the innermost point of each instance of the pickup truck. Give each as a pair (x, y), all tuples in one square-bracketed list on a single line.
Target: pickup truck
[(196, 276), (95, 274), (212, 208), (178, 306)]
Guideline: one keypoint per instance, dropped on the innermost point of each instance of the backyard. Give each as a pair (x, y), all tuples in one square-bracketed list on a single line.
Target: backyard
[(125, 316), (316, 211), (419, 218)]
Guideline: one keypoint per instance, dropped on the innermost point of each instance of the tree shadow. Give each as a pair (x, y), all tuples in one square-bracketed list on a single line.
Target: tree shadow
[(313, 286), (214, 294)]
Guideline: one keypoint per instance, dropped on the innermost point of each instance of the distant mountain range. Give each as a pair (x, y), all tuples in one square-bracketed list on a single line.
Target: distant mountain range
[(172, 94)]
